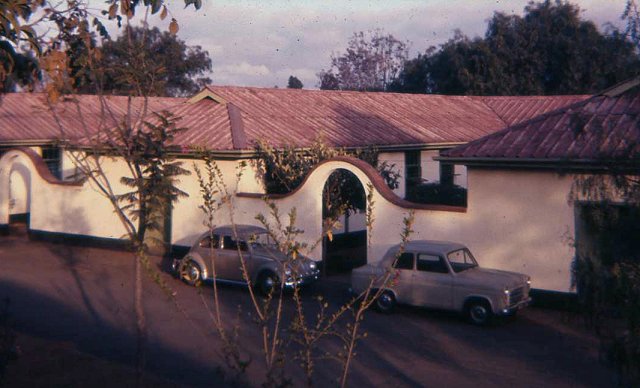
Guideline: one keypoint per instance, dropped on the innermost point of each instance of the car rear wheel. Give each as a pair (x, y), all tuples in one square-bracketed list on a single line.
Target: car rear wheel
[(386, 302), (191, 273), (479, 312), (267, 282)]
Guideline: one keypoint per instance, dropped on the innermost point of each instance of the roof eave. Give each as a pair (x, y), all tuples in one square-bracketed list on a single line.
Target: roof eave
[(549, 164)]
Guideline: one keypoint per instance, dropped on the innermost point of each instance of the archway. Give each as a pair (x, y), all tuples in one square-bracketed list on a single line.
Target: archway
[(344, 199), (19, 194)]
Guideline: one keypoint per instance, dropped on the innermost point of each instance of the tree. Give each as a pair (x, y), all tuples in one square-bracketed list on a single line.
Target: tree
[(550, 50), (632, 17), (294, 83), (171, 68), (371, 61)]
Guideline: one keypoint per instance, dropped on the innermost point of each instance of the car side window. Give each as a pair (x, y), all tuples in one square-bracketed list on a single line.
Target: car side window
[(206, 242), (431, 263), (230, 244), (405, 261)]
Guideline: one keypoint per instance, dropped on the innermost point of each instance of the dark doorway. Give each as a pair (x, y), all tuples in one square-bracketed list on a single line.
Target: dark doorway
[(344, 198)]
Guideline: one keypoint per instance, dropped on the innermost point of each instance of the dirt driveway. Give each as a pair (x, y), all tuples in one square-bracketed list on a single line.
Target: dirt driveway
[(71, 309)]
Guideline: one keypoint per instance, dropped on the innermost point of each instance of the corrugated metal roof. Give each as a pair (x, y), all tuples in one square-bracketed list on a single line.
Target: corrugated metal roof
[(349, 119), (603, 127), (516, 109), (286, 117), (27, 116)]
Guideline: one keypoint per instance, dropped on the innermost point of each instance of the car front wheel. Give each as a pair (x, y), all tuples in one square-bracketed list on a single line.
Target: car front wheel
[(190, 273), (479, 313), (267, 282), (386, 302)]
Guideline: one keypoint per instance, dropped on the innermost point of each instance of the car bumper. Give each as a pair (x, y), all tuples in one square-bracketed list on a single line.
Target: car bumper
[(304, 280), (513, 308)]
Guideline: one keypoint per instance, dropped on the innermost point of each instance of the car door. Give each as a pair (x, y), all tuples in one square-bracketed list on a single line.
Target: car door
[(432, 282), (207, 250), (401, 278), (228, 259)]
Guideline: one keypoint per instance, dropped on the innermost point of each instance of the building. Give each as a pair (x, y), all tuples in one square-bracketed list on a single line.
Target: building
[(516, 218)]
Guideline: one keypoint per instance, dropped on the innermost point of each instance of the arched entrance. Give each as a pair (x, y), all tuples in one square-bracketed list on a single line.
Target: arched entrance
[(19, 194), (344, 199)]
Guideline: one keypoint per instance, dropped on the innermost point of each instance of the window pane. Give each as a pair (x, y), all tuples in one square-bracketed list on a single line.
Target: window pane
[(405, 261), (206, 242), (461, 260), (431, 263), (231, 244)]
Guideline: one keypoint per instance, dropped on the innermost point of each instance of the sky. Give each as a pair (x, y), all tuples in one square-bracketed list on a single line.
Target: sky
[(262, 43)]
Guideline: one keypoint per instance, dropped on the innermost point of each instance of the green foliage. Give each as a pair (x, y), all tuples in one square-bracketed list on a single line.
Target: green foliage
[(438, 193), (155, 172), (25, 52), (285, 168), (550, 50), (294, 83), (140, 62)]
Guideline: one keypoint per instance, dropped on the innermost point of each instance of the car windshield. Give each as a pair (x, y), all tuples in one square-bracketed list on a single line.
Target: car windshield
[(461, 260), (262, 240)]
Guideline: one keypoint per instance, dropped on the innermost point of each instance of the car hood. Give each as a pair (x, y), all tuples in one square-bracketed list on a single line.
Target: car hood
[(492, 278), (302, 265)]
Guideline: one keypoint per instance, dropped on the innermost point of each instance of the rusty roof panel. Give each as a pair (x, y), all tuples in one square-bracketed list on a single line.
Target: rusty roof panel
[(290, 117), (602, 127), (29, 116), (516, 109)]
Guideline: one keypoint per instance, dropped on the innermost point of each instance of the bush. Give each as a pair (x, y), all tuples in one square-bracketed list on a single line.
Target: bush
[(438, 194)]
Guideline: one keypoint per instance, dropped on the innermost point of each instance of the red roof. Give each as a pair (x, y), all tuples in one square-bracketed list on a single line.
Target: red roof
[(603, 127), (28, 117), (234, 118), (516, 109), (348, 119)]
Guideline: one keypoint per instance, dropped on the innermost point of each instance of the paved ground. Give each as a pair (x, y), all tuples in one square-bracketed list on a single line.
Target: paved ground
[(72, 311)]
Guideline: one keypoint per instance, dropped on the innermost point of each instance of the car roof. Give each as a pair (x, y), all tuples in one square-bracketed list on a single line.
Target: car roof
[(433, 246), (241, 230), (426, 246)]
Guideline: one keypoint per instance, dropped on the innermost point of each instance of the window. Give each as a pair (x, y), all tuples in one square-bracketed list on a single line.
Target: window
[(461, 259), (229, 243), (446, 174), (412, 171), (405, 261), (206, 242), (51, 157), (431, 263)]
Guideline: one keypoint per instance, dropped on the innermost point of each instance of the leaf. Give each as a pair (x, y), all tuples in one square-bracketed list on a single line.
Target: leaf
[(155, 6), (173, 27), (113, 10), (163, 14), (196, 3)]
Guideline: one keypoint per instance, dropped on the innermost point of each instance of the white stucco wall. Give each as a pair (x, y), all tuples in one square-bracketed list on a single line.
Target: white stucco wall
[(515, 220), (430, 168)]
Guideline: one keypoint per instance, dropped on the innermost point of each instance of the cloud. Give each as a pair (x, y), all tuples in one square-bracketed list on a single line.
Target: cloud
[(261, 43)]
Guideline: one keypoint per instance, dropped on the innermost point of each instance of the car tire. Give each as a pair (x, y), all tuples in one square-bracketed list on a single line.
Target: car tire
[(191, 273), (479, 312), (386, 302), (267, 282)]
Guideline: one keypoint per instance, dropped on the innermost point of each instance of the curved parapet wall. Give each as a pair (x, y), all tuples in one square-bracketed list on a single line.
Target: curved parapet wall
[(388, 214), (374, 178), (56, 206), (38, 165)]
